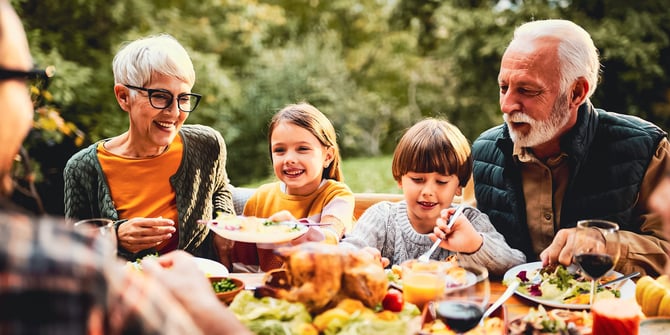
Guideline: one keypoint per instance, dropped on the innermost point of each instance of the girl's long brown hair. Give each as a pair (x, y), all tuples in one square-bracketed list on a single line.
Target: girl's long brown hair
[(310, 118)]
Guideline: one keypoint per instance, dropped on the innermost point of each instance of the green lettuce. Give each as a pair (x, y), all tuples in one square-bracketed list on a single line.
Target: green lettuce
[(269, 316), (367, 323)]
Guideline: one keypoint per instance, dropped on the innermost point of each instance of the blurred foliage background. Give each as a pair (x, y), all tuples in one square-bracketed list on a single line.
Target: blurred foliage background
[(373, 67)]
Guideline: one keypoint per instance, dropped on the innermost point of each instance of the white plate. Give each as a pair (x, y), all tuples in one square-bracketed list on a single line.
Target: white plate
[(234, 228), (627, 288), (655, 325), (211, 268)]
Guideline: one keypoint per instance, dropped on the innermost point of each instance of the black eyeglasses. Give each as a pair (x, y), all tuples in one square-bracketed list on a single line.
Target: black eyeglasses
[(161, 99), (38, 79), (34, 74)]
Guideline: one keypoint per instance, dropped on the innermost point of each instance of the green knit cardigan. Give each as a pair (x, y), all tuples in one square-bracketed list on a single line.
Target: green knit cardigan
[(201, 186)]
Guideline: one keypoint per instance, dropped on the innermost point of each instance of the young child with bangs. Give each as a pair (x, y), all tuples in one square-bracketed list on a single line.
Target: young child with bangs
[(432, 164), (306, 161)]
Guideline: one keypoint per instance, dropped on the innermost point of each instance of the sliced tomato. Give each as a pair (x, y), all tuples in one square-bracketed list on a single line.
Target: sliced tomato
[(393, 301)]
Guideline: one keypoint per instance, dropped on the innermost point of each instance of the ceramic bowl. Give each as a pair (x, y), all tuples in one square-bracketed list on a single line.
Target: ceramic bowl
[(227, 297)]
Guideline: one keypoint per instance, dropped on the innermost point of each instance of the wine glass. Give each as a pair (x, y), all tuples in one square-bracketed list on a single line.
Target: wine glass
[(102, 230), (465, 298), (596, 249)]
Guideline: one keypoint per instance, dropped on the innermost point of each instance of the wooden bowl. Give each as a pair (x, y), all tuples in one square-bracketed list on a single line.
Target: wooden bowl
[(227, 297)]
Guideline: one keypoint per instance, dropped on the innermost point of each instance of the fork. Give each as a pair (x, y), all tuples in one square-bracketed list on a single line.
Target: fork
[(508, 293), (426, 256)]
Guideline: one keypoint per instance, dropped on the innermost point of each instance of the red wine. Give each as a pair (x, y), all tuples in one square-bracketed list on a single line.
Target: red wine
[(460, 316), (595, 265)]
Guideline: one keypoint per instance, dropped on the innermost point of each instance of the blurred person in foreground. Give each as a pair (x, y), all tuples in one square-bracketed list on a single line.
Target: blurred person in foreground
[(58, 281), (160, 176), (557, 159), (660, 203)]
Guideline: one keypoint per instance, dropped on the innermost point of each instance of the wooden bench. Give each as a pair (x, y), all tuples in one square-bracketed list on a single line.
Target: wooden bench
[(363, 200)]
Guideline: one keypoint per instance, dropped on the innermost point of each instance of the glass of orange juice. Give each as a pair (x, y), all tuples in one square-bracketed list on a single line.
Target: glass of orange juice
[(423, 282)]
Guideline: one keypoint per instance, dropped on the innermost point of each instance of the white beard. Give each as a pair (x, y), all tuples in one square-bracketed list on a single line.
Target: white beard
[(540, 131)]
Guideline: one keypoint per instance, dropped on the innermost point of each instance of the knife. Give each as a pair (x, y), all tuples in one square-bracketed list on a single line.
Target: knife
[(613, 281)]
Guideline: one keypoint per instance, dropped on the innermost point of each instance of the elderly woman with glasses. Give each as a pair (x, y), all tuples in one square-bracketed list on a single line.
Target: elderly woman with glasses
[(159, 177)]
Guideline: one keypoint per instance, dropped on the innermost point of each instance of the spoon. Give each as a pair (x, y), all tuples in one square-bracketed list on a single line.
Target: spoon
[(426, 256)]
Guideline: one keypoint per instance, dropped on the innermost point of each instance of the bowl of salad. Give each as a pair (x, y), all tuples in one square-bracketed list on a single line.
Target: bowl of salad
[(226, 288)]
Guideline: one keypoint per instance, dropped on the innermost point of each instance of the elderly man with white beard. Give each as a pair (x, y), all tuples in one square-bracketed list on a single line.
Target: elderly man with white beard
[(556, 159)]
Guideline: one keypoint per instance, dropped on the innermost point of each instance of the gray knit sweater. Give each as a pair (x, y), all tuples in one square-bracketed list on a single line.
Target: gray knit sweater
[(386, 226), (201, 186)]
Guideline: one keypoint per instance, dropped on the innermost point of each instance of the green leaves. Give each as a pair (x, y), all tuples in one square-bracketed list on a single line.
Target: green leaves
[(373, 67)]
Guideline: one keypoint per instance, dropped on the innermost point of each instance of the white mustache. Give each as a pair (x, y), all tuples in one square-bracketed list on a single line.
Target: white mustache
[(518, 117)]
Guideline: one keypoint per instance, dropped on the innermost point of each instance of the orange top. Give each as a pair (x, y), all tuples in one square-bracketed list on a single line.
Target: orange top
[(140, 187)]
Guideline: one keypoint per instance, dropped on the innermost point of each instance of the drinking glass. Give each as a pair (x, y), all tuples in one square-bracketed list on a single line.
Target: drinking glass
[(102, 229), (461, 306), (596, 249), (423, 281)]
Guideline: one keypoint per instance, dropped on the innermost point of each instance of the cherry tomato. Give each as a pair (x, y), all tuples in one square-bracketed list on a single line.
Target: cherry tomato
[(393, 301)]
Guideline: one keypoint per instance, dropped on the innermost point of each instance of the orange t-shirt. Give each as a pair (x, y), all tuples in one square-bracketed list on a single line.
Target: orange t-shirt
[(140, 187)]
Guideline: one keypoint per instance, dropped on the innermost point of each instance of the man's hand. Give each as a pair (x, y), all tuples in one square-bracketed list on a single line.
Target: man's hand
[(177, 270), (560, 250), (659, 202), (183, 279)]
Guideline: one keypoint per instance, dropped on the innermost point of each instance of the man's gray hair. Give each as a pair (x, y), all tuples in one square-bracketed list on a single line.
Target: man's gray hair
[(578, 55)]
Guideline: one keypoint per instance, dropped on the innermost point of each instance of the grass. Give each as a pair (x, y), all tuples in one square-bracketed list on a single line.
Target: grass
[(370, 175), (362, 174)]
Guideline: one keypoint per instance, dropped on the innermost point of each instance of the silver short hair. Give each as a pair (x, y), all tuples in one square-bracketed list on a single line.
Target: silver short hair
[(138, 60), (578, 55)]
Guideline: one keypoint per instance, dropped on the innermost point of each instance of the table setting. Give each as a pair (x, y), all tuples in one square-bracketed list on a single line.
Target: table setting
[(323, 289), (514, 305)]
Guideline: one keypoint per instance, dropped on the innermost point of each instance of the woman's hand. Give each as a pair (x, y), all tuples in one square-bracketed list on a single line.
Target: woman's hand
[(138, 234), (461, 237)]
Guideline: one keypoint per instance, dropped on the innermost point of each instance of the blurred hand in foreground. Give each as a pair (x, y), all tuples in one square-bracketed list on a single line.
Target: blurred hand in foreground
[(181, 276)]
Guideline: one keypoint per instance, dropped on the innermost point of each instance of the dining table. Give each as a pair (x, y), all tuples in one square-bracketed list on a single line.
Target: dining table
[(515, 306)]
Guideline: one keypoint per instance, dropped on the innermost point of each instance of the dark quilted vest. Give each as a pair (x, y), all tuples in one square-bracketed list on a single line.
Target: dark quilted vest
[(608, 155)]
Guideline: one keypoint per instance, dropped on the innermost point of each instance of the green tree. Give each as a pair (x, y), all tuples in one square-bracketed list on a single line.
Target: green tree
[(373, 67)]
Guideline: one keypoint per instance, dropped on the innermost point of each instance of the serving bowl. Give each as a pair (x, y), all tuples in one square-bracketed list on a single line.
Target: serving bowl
[(228, 296)]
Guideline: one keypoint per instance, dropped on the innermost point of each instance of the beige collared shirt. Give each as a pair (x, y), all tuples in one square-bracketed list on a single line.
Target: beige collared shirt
[(544, 185), (543, 188)]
